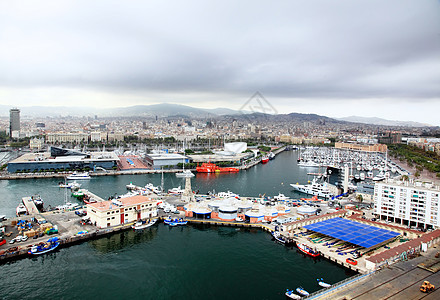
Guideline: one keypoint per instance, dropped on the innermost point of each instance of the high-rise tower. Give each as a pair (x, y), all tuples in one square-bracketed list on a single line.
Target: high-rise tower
[(14, 120)]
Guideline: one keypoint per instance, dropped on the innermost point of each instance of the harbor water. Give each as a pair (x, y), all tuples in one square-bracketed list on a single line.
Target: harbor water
[(191, 262)]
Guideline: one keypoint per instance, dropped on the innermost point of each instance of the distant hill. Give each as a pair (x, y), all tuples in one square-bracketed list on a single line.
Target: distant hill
[(379, 121), (178, 110)]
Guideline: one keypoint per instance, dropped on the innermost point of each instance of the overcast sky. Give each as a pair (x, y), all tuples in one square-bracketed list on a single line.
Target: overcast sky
[(331, 57)]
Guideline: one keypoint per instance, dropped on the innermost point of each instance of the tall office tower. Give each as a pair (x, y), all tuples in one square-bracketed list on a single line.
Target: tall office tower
[(14, 121)]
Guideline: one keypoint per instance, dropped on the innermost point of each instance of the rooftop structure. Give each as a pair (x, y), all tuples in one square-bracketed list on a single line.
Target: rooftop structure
[(156, 161), (353, 232), (31, 162)]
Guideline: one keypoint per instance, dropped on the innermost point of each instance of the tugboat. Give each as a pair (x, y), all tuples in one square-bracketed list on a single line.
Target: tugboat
[(307, 250), (265, 159)]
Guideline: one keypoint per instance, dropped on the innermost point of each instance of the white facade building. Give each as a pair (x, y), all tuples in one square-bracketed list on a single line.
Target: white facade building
[(413, 204)]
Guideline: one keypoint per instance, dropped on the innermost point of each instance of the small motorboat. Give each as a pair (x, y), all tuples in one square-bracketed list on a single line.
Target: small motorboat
[(351, 261), (278, 237), (176, 191), (238, 219), (130, 186), (322, 283), (174, 222), (139, 225), (302, 291), (290, 294)]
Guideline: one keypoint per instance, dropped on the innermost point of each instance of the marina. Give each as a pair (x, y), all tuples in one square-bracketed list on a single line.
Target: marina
[(73, 231)]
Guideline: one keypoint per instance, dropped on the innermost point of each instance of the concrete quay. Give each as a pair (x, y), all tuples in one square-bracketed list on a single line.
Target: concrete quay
[(398, 281)]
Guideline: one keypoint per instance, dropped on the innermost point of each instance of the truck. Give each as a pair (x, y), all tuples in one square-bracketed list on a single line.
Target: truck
[(426, 287)]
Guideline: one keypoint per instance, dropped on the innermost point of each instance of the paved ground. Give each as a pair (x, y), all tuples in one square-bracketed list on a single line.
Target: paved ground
[(399, 281)]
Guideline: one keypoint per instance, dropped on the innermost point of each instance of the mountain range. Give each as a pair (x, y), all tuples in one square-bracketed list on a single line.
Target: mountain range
[(167, 110), (379, 121)]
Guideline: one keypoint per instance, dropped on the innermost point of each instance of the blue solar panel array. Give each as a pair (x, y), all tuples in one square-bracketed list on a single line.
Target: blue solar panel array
[(353, 232)]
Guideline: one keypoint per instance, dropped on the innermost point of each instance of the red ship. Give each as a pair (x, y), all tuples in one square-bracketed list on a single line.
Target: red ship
[(265, 159), (213, 168), (307, 250)]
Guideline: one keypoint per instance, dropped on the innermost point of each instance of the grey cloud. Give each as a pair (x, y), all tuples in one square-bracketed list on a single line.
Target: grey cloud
[(311, 49)]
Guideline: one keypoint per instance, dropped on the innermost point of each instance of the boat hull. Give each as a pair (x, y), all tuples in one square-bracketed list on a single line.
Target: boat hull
[(306, 250), (44, 251)]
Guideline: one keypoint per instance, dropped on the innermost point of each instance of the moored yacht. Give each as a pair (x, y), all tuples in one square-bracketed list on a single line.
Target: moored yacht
[(78, 176), (315, 188)]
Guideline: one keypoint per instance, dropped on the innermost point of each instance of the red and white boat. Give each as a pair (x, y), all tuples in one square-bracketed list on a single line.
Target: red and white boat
[(265, 159), (307, 250)]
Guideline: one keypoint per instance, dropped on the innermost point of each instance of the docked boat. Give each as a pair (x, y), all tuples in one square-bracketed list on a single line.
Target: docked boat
[(176, 191), (38, 202), (281, 197), (67, 206), (309, 164), (213, 168), (278, 237), (290, 294), (21, 210), (307, 250), (302, 291), (70, 185), (139, 225), (185, 173), (175, 222), (78, 176), (152, 188), (44, 247), (265, 159), (130, 186), (271, 155), (351, 261), (315, 188), (228, 194), (323, 284)]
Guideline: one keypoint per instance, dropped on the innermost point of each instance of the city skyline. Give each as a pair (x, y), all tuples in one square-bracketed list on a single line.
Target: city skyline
[(337, 59)]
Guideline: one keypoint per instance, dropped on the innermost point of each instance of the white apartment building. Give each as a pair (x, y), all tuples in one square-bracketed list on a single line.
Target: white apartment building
[(413, 204)]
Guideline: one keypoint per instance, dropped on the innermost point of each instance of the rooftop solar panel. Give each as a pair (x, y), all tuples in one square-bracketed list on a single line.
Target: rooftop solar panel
[(353, 232)]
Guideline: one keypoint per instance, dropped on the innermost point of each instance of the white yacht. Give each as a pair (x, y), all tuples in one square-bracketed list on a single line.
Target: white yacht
[(185, 173), (21, 210), (315, 188), (152, 188), (281, 197), (176, 191), (78, 176), (309, 164)]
